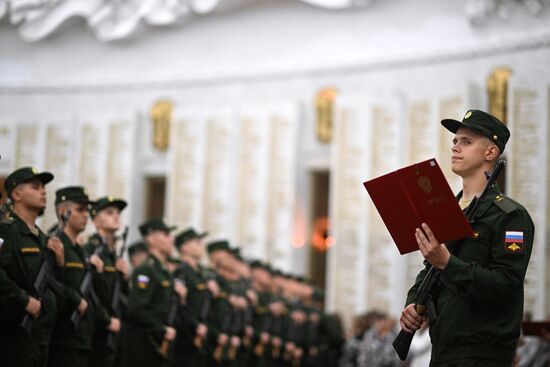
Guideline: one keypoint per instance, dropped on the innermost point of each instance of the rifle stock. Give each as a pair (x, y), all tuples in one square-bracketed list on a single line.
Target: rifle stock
[(45, 272)]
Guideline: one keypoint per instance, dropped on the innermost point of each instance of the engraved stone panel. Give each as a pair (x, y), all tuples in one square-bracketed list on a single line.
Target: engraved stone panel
[(217, 194), (58, 160), (454, 108), (187, 172), (528, 182), (252, 182), (280, 185), (120, 158)]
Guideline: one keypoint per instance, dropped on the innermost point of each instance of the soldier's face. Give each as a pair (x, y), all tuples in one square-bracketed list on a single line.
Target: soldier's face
[(196, 247), (30, 194), (79, 217), (108, 219), (471, 152), (138, 258), (165, 242)]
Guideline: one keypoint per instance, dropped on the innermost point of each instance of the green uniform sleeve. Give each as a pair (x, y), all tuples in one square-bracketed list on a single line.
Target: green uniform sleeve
[(504, 275), (141, 296), (10, 292)]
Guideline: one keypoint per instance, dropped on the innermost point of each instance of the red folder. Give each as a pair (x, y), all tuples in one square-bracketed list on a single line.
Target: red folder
[(418, 194)]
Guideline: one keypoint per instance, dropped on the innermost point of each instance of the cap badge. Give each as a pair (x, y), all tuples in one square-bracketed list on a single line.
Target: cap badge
[(34, 170), (110, 198), (467, 115)]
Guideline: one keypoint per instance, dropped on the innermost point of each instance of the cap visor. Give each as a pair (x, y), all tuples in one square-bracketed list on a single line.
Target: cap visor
[(202, 235), (452, 125), (43, 177)]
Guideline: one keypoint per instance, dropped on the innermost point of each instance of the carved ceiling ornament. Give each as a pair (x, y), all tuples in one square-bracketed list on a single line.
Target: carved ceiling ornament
[(116, 19), (479, 12)]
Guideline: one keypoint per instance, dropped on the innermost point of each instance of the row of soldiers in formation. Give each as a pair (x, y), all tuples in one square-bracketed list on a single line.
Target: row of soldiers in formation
[(67, 304)]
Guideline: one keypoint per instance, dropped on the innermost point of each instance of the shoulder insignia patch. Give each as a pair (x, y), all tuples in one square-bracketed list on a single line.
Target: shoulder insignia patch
[(142, 281), (513, 242), (30, 250), (505, 204)]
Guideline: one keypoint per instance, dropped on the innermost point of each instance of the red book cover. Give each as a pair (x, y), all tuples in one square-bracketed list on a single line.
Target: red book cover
[(418, 194)]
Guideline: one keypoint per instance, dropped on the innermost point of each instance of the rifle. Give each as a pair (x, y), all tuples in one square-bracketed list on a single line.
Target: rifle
[(44, 277), (266, 323), (117, 289), (171, 319), (86, 284), (402, 342), (226, 325), (203, 317)]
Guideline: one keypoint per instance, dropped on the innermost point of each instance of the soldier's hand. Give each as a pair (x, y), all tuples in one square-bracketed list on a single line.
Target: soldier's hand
[(222, 339), (33, 307), (202, 330), (252, 296), (276, 342), (55, 245), (434, 252), (410, 320), (114, 325), (289, 347), (249, 331), (169, 333), (276, 308), (298, 353), (235, 341), (181, 290), (97, 262), (82, 307), (122, 266), (213, 287)]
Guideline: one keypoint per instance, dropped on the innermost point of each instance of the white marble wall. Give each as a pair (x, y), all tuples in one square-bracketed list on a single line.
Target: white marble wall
[(242, 139)]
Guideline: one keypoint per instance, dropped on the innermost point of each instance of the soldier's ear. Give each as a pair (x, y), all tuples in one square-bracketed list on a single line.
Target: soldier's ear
[(492, 152)]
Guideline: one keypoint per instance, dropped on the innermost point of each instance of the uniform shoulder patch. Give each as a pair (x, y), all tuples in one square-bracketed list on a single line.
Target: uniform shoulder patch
[(142, 281), (513, 242), (8, 220), (505, 204)]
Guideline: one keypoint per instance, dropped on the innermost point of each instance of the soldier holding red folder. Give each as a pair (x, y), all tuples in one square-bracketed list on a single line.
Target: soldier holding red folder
[(479, 301)]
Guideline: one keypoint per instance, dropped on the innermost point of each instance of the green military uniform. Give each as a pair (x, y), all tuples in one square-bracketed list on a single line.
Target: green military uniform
[(70, 347), (151, 291), (480, 302), (195, 311), (102, 354), (148, 304), (21, 255)]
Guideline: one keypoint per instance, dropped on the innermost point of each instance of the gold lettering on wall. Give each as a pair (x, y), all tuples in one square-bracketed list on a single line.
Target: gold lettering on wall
[(324, 107), (497, 90), (161, 115)]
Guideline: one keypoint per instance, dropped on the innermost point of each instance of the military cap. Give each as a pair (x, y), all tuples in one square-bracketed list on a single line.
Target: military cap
[(156, 224), (106, 202), (257, 264), (482, 123), (187, 235), (25, 174), (237, 253), (221, 245), (78, 194), (136, 247)]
